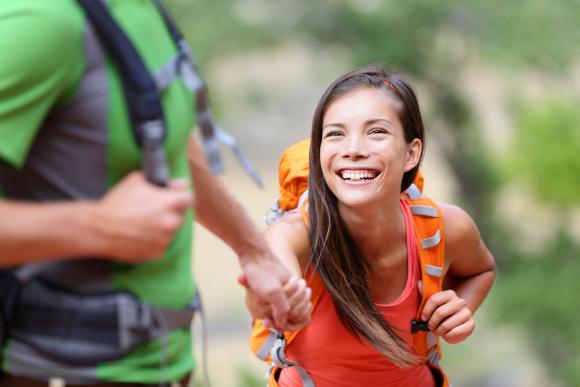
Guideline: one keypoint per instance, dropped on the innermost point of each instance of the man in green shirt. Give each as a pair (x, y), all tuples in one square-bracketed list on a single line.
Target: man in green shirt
[(74, 210)]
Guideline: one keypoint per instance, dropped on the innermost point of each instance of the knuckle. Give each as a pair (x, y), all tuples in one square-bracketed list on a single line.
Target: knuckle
[(468, 315), (471, 325), (445, 327), (437, 315), (170, 224)]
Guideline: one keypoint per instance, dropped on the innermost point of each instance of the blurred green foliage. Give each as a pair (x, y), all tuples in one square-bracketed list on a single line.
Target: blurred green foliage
[(248, 379), (539, 33), (545, 151), (542, 295), (433, 41)]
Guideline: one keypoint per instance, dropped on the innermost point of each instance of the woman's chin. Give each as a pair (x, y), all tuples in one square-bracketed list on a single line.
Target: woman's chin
[(357, 201)]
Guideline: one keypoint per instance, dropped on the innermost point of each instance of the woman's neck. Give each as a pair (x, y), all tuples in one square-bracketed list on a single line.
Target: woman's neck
[(377, 229)]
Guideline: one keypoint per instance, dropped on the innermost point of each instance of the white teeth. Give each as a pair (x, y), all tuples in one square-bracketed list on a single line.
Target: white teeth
[(357, 175)]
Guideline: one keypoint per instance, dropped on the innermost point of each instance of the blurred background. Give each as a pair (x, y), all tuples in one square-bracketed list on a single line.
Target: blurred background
[(499, 85)]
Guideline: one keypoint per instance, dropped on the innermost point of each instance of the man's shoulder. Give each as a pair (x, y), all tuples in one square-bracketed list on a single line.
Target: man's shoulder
[(41, 37), (59, 18), (60, 9)]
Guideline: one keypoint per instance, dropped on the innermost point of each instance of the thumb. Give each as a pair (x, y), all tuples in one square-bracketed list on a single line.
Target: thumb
[(243, 280), (420, 287)]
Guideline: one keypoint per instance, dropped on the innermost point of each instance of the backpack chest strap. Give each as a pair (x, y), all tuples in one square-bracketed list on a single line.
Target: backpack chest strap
[(279, 359)]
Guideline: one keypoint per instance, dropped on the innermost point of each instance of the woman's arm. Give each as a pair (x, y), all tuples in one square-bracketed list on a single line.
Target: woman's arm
[(470, 272), (288, 239)]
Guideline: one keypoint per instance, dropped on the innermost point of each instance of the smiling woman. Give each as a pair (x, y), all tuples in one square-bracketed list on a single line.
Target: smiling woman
[(361, 152), (363, 249)]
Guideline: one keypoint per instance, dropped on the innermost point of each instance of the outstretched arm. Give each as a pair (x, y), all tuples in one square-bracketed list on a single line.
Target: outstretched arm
[(470, 274), (223, 215), (289, 240)]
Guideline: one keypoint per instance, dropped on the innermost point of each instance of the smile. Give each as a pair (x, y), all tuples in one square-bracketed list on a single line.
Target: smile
[(357, 174)]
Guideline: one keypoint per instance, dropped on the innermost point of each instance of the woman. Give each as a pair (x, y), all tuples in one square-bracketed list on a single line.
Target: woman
[(366, 146)]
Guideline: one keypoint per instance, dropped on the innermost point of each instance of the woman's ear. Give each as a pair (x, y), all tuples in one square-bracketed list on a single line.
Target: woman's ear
[(414, 151)]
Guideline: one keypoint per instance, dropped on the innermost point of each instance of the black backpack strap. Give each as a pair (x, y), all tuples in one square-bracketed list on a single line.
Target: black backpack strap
[(174, 30), (140, 90)]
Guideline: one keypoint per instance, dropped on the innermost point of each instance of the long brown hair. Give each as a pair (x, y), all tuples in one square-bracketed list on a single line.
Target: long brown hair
[(336, 257)]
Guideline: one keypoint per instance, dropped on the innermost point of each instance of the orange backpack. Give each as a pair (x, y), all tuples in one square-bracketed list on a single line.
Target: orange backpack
[(293, 171)]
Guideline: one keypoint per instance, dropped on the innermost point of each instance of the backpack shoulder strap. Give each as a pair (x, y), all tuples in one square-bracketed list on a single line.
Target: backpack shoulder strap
[(428, 224), (141, 94)]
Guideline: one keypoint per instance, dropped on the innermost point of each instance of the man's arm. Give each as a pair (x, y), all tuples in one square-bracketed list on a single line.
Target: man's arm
[(119, 226), (223, 215)]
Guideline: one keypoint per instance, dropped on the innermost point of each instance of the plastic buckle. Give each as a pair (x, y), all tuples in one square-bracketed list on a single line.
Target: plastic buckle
[(418, 325)]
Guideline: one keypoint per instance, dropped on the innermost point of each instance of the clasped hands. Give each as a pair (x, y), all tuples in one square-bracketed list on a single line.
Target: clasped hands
[(295, 308)]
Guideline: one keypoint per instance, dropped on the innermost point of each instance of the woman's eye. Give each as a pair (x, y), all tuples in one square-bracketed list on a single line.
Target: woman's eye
[(333, 133), (378, 131)]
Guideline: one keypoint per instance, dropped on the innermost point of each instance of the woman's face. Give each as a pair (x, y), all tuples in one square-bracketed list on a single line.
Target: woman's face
[(363, 153)]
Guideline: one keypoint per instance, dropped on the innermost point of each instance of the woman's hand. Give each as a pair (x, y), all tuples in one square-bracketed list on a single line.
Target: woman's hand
[(448, 316), (299, 296)]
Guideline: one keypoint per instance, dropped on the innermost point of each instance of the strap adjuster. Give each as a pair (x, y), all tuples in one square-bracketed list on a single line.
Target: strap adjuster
[(419, 325), (277, 352)]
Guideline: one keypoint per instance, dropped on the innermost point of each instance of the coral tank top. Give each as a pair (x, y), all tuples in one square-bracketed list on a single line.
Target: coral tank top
[(334, 357)]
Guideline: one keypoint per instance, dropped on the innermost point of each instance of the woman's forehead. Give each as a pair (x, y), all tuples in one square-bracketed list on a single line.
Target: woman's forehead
[(361, 104)]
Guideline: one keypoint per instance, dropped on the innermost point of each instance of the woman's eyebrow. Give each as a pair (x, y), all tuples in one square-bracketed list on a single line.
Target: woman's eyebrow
[(367, 122), (377, 120), (337, 124)]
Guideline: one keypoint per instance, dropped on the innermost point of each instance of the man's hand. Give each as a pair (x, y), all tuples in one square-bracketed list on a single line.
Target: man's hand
[(136, 220), (448, 316), (298, 295)]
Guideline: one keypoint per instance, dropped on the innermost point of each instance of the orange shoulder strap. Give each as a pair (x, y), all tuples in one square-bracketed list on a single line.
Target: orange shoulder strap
[(428, 224)]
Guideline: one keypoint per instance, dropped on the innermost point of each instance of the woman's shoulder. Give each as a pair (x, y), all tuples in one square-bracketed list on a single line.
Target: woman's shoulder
[(292, 222), (461, 232), (457, 222)]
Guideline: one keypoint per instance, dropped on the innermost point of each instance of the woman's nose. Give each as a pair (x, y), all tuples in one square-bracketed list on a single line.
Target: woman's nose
[(354, 148)]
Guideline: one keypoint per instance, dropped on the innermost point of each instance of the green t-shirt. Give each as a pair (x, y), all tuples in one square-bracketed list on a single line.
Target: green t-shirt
[(64, 130)]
